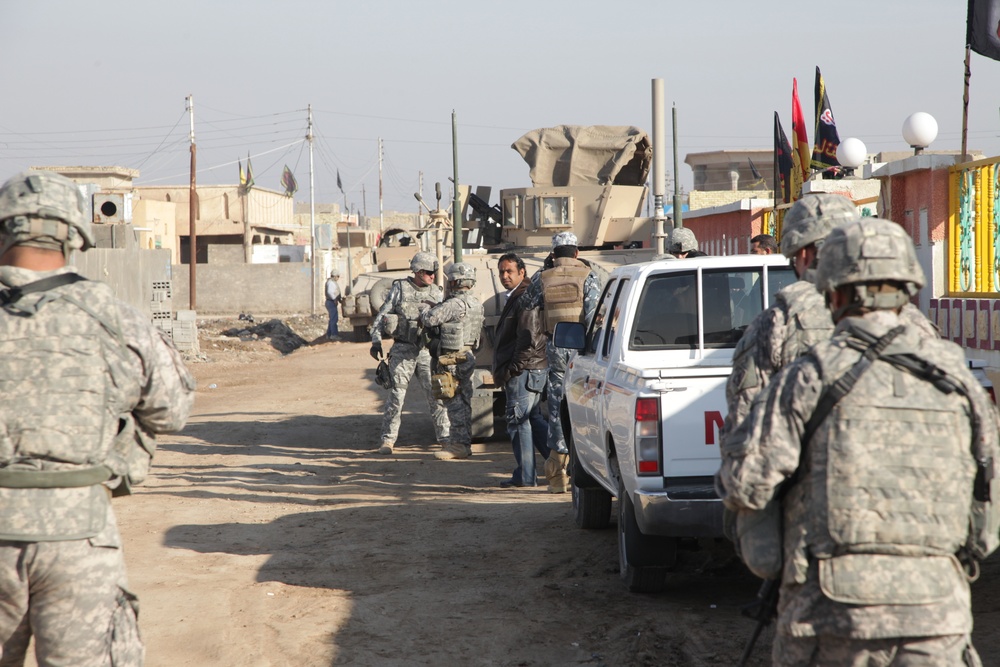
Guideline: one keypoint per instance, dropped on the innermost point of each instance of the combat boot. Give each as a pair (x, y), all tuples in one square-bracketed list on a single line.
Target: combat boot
[(555, 472), (386, 447), (452, 451)]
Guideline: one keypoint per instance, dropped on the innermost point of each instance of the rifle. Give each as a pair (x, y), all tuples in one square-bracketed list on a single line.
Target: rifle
[(763, 609)]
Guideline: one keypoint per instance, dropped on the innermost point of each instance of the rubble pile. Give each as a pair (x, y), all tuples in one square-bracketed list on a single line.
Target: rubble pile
[(245, 339)]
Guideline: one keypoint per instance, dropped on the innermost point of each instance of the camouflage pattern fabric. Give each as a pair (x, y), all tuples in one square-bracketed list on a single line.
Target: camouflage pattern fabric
[(558, 358), (79, 609), (397, 303), (930, 651), (460, 307), (855, 565), (405, 361), (796, 321), (72, 595), (459, 406)]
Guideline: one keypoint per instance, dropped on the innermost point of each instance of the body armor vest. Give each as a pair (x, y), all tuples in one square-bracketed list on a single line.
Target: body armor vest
[(891, 466), (807, 316), (60, 414), (408, 326), (562, 292), (464, 333)]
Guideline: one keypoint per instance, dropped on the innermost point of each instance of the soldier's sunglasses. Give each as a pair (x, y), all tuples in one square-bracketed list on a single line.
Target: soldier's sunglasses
[(428, 273)]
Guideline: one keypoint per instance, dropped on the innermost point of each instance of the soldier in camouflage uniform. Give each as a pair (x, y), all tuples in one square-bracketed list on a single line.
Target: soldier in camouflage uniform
[(87, 383), (567, 292), (459, 320), (399, 317), (891, 483), (798, 317)]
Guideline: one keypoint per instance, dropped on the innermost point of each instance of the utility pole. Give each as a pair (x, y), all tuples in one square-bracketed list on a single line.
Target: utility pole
[(381, 214), (192, 212), (312, 216)]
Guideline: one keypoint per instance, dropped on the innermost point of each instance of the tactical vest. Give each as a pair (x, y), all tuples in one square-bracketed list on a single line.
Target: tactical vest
[(408, 326), (60, 414), (807, 317), (891, 469), (562, 292), (463, 334)]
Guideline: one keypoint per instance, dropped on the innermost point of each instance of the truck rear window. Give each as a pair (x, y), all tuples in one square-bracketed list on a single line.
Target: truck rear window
[(668, 312)]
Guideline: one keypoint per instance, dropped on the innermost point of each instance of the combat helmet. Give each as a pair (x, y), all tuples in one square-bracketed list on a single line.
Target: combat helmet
[(44, 209), (682, 239), (424, 261), (462, 274), (811, 218), (869, 253)]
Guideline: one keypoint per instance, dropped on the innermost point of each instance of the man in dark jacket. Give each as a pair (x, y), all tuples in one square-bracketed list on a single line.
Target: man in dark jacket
[(520, 367)]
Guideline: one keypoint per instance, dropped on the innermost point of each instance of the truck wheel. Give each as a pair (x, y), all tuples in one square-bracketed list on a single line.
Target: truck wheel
[(591, 503), (591, 507), (643, 560)]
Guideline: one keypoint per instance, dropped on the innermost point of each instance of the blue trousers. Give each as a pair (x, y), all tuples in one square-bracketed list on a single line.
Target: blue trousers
[(331, 328), (527, 426)]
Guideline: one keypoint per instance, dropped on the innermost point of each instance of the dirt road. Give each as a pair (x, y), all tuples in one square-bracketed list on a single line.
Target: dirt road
[(272, 534)]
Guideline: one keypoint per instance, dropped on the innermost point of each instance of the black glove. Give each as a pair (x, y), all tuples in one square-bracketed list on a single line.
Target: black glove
[(376, 351)]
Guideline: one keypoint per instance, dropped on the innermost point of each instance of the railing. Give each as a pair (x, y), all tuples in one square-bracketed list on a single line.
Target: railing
[(973, 239)]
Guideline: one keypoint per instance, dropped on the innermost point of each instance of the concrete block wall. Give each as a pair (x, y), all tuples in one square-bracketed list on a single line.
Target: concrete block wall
[(707, 199), (249, 288)]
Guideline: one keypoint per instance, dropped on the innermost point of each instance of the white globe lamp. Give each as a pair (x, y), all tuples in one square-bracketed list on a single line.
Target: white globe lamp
[(919, 130), (851, 154)]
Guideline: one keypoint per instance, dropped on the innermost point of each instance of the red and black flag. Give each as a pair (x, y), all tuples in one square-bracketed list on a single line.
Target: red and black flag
[(982, 29), (782, 161), (826, 139)]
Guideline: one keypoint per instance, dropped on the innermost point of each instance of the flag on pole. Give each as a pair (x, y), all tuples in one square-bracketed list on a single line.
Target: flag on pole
[(782, 161), (982, 28), (340, 186), (800, 151), (757, 178), (288, 182), (249, 178), (826, 139), (243, 175)]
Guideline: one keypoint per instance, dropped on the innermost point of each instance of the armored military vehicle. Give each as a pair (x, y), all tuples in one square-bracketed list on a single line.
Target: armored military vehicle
[(590, 180)]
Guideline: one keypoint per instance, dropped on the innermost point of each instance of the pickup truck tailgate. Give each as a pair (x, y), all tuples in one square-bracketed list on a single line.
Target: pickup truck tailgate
[(691, 410)]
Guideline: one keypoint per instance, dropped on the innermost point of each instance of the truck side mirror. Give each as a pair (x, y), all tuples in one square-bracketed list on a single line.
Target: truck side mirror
[(570, 335)]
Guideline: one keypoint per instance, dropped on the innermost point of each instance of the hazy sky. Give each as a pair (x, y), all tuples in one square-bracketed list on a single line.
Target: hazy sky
[(104, 82)]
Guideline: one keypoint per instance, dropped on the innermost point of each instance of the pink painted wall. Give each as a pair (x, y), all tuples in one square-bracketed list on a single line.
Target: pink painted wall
[(716, 232), (912, 191)]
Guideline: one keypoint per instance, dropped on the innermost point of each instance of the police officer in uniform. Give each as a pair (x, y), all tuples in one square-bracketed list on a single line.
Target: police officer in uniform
[(399, 317), (567, 292), (888, 448), (459, 320), (87, 383)]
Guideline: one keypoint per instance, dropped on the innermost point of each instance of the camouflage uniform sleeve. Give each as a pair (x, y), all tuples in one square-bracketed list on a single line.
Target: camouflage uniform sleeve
[(532, 297), (591, 293), (388, 306), (451, 310), (166, 388), (764, 449)]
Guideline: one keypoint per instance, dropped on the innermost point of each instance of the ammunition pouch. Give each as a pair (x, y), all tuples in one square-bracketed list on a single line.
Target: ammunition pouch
[(444, 385), (452, 358)]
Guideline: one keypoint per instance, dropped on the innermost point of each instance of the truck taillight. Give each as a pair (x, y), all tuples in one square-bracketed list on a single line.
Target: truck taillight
[(647, 436)]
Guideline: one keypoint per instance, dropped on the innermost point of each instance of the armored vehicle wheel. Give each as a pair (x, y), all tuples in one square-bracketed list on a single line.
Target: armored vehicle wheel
[(377, 294), (643, 560)]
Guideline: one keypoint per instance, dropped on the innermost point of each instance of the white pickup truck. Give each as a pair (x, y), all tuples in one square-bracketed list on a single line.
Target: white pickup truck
[(645, 399)]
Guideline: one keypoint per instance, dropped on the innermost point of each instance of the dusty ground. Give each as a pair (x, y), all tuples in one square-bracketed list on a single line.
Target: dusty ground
[(272, 534)]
